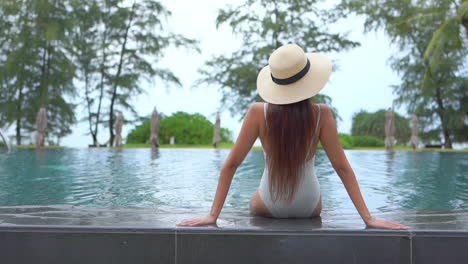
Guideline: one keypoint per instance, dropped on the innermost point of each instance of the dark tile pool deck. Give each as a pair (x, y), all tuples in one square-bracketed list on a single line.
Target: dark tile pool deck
[(67, 234)]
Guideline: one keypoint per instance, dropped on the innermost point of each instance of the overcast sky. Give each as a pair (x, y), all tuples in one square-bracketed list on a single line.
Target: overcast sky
[(362, 81)]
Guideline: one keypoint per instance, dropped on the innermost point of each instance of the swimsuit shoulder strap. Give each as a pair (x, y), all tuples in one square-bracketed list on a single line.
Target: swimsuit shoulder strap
[(318, 121)]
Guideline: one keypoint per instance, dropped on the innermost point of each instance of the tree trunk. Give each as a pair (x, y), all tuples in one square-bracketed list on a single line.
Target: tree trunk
[(18, 117), (448, 141), (441, 112), (117, 76), (111, 122), (95, 141), (101, 90), (440, 105), (101, 83), (43, 70), (18, 131), (88, 103), (276, 41)]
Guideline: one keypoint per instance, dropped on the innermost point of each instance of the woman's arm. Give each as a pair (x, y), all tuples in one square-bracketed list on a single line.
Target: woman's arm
[(331, 143), (247, 136)]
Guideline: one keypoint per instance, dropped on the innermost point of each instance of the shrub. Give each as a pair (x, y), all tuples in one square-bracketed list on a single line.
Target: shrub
[(349, 142), (366, 141), (186, 128), (373, 124), (140, 134)]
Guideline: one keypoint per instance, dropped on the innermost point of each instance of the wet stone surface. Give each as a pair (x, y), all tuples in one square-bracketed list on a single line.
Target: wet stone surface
[(230, 219), (51, 234)]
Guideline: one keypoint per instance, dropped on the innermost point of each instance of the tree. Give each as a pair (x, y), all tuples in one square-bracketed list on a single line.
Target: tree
[(107, 46), (432, 59), (263, 27), (118, 44), (373, 124), (36, 68), (90, 48), (138, 34), (186, 128), (17, 53)]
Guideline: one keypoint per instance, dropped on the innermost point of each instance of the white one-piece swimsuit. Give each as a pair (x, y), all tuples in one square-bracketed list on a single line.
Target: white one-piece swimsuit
[(307, 194)]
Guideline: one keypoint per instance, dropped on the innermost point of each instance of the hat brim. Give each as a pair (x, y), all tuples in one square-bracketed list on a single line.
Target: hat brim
[(306, 87)]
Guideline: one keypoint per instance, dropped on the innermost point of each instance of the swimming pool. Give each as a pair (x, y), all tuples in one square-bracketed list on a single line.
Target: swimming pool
[(121, 205), (187, 178)]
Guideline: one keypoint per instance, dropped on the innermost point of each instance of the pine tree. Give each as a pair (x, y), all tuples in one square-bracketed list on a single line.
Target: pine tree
[(37, 70), (432, 39), (264, 26)]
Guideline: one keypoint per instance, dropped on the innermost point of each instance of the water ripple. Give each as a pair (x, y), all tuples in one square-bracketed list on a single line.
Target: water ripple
[(187, 178)]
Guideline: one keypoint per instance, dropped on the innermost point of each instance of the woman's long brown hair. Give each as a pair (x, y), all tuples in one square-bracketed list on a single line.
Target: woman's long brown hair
[(290, 131)]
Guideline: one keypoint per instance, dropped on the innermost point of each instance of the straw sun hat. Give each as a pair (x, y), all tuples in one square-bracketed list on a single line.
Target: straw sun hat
[(292, 75)]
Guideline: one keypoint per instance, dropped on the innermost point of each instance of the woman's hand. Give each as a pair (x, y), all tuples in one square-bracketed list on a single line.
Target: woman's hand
[(378, 223), (199, 221)]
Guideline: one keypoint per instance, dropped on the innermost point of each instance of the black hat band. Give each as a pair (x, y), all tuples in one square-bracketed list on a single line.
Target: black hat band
[(293, 78)]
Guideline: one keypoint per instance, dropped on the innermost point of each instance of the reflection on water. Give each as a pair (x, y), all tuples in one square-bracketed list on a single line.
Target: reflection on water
[(154, 154), (187, 178), (390, 156)]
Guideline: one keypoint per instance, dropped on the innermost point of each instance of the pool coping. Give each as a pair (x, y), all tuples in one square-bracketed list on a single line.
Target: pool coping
[(63, 234), (125, 244), (215, 230)]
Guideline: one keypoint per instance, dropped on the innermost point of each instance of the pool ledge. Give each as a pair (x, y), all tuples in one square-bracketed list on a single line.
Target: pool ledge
[(134, 235)]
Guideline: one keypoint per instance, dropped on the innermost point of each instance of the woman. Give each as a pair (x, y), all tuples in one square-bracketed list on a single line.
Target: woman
[(290, 126)]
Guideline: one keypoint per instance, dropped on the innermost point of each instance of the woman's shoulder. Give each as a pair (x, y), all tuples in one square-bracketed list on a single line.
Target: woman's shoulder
[(256, 107), (255, 110), (323, 107), (326, 114)]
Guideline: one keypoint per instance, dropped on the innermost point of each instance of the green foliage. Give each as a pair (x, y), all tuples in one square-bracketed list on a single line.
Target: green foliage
[(140, 134), (50, 49), (432, 59), (373, 124), (35, 67), (366, 141), (350, 142), (117, 45), (263, 27), (129, 26), (186, 128), (192, 129)]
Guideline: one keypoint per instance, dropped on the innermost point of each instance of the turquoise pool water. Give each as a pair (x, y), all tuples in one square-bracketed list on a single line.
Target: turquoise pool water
[(187, 178)]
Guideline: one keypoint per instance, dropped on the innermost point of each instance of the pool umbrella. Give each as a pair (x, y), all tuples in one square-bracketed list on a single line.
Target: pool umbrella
[(217, 131), (154, 138), (389, 130), (41, 124), (4, 140), (118, 130), (414, 141)]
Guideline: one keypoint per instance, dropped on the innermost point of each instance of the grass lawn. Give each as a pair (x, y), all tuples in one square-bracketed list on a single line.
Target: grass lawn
[(230, 145), (33, 146), (222, 146), (404, 148)]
